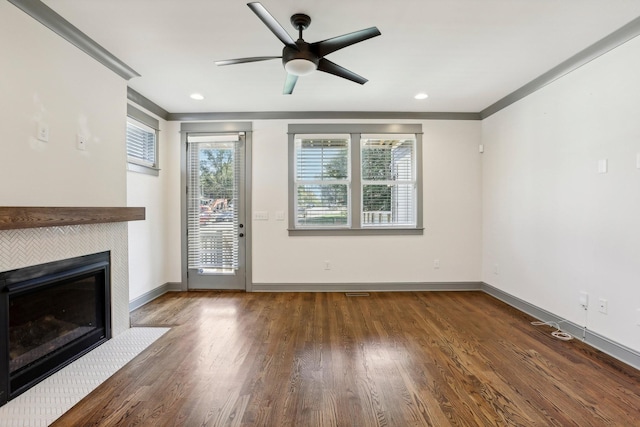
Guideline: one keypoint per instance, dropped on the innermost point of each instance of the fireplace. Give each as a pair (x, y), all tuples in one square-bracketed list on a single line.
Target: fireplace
[(51, 314)]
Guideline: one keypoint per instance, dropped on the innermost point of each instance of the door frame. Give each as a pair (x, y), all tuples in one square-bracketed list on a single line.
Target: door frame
[(216, 127)]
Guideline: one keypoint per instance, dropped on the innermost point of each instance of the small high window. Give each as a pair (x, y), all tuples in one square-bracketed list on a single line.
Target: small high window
[(142, 141)]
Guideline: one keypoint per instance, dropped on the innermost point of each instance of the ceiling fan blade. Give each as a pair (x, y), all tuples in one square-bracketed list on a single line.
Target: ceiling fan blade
[(244, 60), (325, 47), (271, 22), (289, 84), (333, 68)]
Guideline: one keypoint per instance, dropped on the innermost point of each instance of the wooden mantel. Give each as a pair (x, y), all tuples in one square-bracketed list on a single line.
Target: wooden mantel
[(12, 218)]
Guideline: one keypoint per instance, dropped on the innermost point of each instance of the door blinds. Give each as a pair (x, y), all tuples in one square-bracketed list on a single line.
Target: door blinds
[(212, 202)]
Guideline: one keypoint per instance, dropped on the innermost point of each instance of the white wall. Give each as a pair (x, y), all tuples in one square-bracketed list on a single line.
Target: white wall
[(552, 224), (44, 78), (154, 258), (452, 218)]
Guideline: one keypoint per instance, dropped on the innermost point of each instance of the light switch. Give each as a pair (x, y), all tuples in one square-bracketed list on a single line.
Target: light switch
[(261, 215), (279, 215)]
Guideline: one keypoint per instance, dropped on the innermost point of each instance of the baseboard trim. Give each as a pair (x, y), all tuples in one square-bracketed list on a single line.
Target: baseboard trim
[(366, 287), (595, 340), (153, 294)]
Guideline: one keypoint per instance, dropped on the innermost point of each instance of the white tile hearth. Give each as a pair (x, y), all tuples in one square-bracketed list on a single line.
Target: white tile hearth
[(43, 404)]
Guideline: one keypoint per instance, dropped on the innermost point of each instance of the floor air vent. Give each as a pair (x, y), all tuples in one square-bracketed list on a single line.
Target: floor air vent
[(357, 294)]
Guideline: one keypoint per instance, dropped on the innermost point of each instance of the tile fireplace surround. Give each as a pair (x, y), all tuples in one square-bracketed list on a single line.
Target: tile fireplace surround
[(23, 247)]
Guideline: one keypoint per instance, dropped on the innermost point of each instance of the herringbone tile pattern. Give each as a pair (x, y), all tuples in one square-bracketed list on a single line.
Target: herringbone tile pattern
[(25, 247), (44, 403)]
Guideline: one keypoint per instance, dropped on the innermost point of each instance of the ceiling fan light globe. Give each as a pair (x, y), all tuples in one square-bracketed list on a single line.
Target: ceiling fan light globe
[(300, 67)]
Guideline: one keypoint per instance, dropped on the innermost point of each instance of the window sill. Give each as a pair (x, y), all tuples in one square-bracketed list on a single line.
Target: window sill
[(132, 167), (356, 231)]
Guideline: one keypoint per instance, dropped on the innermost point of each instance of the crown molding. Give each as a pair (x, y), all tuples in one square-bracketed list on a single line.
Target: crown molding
[(599, 48), (52, 20), (147, 104), (307, 115)]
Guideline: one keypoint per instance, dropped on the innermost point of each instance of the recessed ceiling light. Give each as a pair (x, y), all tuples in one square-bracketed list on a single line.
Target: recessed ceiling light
[(421, 96), (197, 96)]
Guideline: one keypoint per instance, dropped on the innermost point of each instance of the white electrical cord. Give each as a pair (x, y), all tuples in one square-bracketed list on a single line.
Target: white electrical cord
[(564, 336)]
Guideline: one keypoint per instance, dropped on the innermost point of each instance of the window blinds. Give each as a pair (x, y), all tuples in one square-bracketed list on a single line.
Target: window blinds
[(388, 181), (141, 144), (213, 226), (322, 181)]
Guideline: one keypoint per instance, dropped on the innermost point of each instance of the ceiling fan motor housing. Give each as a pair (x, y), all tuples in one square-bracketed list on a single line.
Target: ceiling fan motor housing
[(303, 51)]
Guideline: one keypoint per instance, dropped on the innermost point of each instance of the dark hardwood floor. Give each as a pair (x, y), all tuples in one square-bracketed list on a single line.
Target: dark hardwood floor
[(325, 359)]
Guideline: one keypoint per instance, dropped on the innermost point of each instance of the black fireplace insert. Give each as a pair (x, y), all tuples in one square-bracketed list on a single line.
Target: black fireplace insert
[(51, 314)]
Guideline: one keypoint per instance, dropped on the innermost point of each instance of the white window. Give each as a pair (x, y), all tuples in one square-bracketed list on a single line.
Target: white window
[(142, 142), (388, 180), (322, 181), (355, 179)]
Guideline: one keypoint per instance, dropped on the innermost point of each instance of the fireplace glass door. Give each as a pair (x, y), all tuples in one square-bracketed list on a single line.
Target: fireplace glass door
[(43, 321), (51, 315)]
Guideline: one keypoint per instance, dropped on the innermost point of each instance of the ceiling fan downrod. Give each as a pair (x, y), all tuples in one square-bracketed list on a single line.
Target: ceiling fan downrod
[(300, 22)]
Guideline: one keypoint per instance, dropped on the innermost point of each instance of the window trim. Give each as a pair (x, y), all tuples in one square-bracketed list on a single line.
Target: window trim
[(136, 115), (355, 131)]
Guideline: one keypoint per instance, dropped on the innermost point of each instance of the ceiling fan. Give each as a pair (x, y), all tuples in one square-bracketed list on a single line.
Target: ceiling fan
[(301, 58)]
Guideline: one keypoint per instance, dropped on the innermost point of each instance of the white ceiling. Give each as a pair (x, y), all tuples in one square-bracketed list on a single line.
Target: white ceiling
[(466, 54)]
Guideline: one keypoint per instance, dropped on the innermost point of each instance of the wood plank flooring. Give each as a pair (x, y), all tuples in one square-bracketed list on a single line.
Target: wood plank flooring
[(325, 359)]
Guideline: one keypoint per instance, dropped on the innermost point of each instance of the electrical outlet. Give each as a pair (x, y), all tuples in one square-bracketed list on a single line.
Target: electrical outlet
[(603, 166), (638, 316), (602, 306), (43, 132), (81, 142), (436, 264), (327, 265), (583, 299), (495, 268)]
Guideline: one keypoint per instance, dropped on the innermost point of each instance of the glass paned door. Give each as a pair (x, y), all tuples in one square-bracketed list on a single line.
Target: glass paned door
[(215, 204)]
